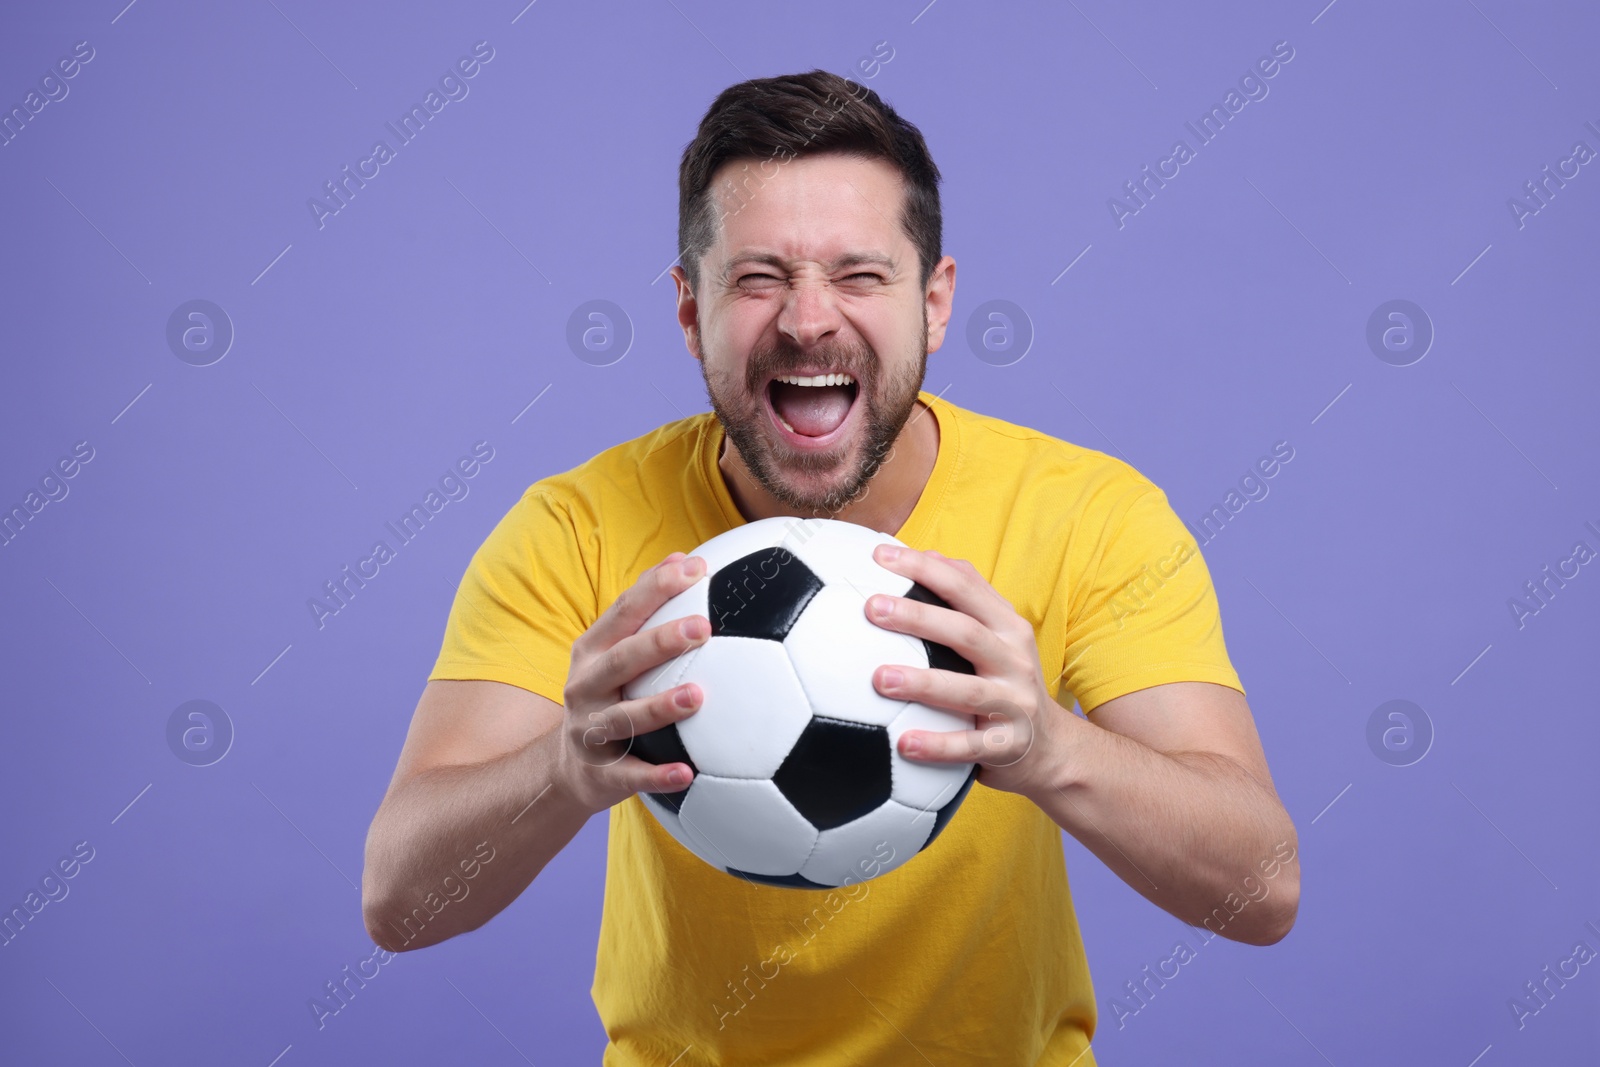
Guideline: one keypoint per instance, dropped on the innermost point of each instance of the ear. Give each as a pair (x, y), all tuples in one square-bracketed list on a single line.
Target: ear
[(939, 300), (688, 311)]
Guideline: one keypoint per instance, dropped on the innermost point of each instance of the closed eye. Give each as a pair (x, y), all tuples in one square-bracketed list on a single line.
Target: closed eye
[(761, 280)]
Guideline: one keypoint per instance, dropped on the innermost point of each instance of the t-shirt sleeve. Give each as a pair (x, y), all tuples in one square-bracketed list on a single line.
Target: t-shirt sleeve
[(1144, 609), (526, 596)]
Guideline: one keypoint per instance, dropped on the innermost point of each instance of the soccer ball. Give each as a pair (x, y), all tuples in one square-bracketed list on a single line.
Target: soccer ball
[(797, 779)]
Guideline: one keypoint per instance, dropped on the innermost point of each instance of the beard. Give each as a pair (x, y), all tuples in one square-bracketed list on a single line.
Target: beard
[(822, 483)]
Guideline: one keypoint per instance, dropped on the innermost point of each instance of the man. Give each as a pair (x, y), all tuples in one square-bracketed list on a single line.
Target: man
[(809, 232)]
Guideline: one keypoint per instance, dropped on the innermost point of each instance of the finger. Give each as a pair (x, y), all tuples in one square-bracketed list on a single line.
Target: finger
[(944, 746), (981, 646), (636, 655), (999, 744), (602, 671), (640, 600), (966, 694), (637, 776), (627, 719), (957, 582)]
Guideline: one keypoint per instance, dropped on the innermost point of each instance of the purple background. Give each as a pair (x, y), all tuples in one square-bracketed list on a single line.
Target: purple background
[(371, 353)]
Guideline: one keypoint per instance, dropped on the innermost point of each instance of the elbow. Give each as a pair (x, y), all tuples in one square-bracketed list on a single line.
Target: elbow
[(391, 929), (376, 920), (380, 912), (1280, 919), (389, 923), (1282, 906), (377, 915), (397, 927)]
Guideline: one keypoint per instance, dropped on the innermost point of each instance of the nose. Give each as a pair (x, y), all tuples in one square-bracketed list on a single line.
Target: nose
[(810, 311)]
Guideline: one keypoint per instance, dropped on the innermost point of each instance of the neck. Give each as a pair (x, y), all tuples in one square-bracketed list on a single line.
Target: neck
[(891, 495)]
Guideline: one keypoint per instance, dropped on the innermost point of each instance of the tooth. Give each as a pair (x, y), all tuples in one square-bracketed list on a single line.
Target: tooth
[(815, 380)]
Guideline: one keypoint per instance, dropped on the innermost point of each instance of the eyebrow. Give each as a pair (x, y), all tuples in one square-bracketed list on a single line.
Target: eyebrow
[(849, 259)]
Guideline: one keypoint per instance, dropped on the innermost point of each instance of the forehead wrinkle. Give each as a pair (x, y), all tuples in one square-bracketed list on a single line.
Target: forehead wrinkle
[(810, 200)]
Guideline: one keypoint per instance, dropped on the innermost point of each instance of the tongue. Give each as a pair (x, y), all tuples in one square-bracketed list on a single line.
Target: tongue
[(813, 410)]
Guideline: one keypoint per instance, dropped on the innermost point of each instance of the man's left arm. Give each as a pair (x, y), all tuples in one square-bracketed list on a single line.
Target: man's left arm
[(1168, 785)]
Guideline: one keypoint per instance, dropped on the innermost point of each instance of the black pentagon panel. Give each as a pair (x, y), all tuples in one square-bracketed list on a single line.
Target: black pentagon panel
[(837, 771), (664, 746), (940, 657), (760, 595), (787, 881), (941, 818)]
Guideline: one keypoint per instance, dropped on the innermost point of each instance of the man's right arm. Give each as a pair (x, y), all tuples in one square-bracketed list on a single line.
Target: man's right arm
[(489, 763), (479, 765)]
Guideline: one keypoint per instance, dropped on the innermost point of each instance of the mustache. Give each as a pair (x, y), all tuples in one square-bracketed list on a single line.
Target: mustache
[(856, 360)]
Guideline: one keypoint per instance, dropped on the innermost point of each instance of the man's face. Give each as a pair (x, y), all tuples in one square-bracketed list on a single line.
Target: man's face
[(811, 275)]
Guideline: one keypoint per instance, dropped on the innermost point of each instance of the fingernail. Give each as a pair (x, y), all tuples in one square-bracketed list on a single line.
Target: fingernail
[(691, 567), (913, 745), (889, 553), (892, 678), (685, 697), (677, 776), (883, 606), (690, 627)]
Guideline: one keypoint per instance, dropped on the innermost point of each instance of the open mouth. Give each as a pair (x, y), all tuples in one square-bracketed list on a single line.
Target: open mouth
[(811, 411)]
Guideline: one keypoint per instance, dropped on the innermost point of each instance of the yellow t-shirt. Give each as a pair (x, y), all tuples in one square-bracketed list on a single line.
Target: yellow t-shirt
[(970, 952)]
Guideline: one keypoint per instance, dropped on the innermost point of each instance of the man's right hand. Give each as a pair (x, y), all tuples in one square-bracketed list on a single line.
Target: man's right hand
[(595, 766), (480, 757)]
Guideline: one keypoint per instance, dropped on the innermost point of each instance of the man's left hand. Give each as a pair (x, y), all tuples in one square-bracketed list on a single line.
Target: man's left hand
[(1020, 726)]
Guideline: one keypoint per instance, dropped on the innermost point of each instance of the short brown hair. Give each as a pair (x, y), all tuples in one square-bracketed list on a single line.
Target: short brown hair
[(776, 120)]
